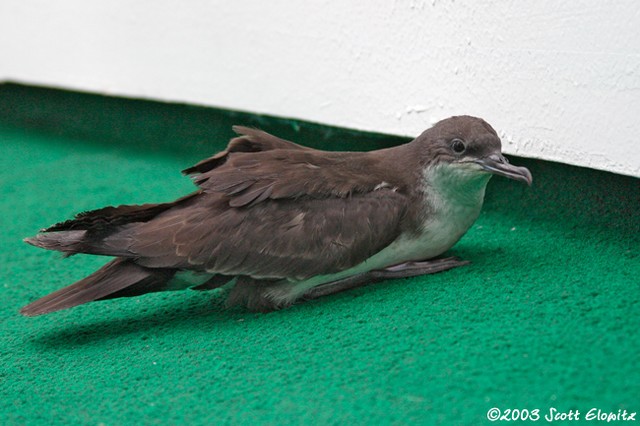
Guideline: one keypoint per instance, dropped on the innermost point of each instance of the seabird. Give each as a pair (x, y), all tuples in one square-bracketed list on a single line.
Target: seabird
[(276, 222)]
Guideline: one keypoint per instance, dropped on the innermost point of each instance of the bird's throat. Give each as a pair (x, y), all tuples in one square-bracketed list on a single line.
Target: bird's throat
[(456, 185)]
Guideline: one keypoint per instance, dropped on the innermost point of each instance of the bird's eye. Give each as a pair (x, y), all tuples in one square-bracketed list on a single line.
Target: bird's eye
[(458, 146)]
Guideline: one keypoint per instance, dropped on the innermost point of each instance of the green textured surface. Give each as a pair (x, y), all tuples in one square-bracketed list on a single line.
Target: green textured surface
[(547, 314)]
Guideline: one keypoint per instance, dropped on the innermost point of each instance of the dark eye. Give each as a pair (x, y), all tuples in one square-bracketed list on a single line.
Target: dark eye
[(458, 146)]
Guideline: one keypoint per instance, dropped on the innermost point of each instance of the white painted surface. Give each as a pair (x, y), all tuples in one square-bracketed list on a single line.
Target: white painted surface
[(559, 80)]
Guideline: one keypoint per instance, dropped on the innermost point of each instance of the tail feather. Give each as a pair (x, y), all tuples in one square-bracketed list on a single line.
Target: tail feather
[(105, 231), (81, 241), (60, 241), (112, 280)]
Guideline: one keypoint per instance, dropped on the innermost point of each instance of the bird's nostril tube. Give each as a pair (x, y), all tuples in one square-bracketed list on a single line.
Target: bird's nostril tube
[(498, 158)]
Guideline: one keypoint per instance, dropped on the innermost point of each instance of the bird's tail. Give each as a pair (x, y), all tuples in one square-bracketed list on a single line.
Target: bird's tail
[(105, 231), (118, 278), (83, 241), (67, 242)]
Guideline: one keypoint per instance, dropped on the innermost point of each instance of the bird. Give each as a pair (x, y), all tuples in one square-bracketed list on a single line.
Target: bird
[(275, 223)]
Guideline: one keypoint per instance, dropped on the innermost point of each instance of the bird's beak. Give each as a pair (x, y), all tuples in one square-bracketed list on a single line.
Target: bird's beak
[(498, 165)]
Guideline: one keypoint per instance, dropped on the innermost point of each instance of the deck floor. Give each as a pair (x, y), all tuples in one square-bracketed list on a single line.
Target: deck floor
[(546, 315)]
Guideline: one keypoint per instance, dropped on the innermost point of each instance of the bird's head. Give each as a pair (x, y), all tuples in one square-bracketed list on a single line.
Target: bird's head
[(469, 149)]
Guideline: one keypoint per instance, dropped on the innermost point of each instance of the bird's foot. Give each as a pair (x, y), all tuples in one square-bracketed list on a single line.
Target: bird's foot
[(403, 270), (414, 269)]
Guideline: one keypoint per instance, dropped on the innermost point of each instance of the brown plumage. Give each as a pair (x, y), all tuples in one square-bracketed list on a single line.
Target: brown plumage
[(280, 217)]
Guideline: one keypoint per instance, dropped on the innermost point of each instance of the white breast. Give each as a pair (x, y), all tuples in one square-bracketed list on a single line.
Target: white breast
[(441, 229), (453, 199)]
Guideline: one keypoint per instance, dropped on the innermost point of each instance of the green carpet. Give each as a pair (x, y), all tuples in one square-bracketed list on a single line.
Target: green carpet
[(546, 315)]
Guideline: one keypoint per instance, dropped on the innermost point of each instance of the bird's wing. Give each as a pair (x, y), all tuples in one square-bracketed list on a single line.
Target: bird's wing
[(283, 213), (285, 238), (249, 140), (250, 178), (280, 213)]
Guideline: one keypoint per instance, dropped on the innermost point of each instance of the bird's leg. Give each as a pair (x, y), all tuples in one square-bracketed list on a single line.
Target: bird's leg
[(403, 270)]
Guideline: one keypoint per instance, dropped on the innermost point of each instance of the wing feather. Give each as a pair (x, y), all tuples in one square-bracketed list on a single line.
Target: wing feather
[(249, 140), (250, 178), (274, 239)]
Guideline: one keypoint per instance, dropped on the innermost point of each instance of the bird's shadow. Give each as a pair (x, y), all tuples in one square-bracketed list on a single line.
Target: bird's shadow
[(171, 315), (161, 318)]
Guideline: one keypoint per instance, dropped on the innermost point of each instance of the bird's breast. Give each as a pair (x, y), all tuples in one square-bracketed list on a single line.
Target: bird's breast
[(440, 230), (442, 224)]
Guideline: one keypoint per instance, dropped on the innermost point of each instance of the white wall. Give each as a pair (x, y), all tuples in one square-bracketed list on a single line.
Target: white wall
[(559, 80)]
